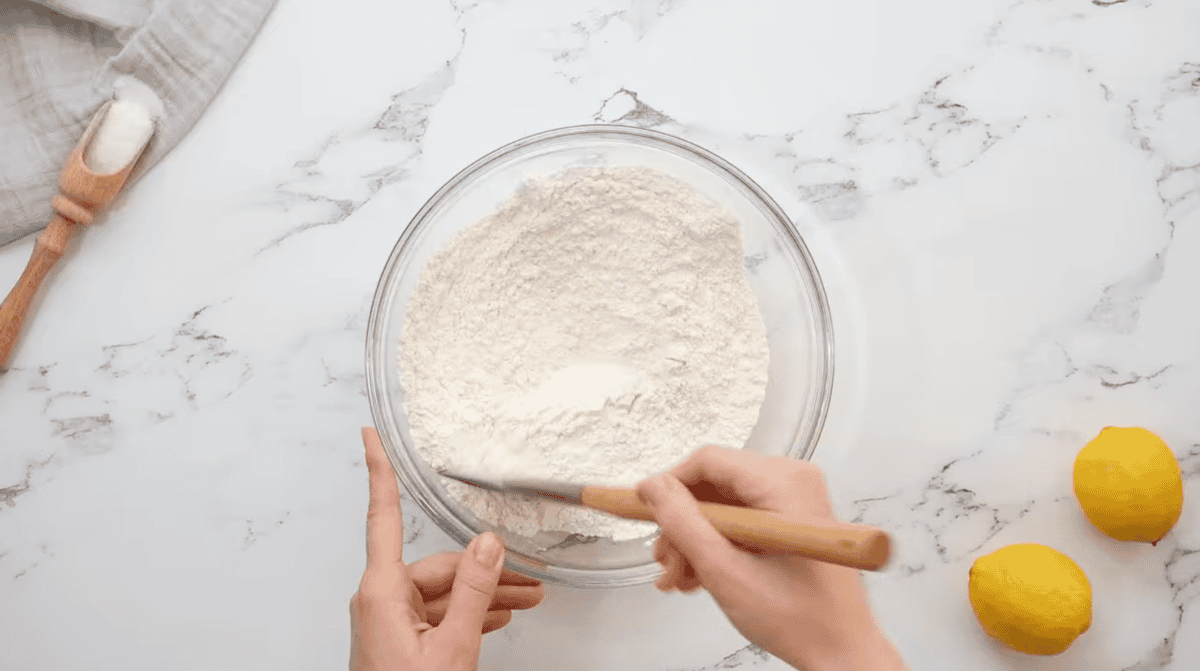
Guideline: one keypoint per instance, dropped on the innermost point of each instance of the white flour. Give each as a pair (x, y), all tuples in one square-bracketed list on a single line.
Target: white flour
[(597, 328), (126, 127)]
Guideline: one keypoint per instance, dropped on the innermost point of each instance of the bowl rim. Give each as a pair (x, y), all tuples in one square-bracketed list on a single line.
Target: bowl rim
[(404, 462)]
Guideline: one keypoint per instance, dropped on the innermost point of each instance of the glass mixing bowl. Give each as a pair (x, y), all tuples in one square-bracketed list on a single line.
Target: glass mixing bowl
[(778, 266)]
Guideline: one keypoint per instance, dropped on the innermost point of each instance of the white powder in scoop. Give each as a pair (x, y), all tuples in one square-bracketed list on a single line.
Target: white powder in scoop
[(126, 127), (598, 328)]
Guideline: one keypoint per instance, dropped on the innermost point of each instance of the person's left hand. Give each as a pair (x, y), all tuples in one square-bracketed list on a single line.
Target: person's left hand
[(430, 615)]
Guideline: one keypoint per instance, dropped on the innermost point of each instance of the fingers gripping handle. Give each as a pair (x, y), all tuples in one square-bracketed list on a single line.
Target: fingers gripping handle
[(853, 545)]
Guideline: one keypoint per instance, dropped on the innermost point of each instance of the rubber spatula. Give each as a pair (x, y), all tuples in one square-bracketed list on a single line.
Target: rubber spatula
[(853, 545)]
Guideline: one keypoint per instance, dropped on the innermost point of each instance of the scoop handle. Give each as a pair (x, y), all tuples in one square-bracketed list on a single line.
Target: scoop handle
[(82, 194), (853, 545), (46, 252)]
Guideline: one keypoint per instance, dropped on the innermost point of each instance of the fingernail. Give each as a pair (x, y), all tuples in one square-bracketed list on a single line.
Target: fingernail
[(653, 491), (489, 550), (672, 486)]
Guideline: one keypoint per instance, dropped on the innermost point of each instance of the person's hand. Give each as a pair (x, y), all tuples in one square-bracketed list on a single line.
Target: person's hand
[(810, 614), (429, 616)]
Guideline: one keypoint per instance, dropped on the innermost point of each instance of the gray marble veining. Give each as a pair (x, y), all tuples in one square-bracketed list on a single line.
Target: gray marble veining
[(1003, 199)]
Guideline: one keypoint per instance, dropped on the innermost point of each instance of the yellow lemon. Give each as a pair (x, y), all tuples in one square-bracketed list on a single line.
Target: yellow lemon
[(1032, 598), (1129, 485)]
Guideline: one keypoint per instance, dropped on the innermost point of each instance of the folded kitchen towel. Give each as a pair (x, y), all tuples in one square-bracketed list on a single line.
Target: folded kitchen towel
[(59, 60)]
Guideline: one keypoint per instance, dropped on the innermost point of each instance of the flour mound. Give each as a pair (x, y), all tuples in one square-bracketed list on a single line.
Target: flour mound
[(598, 328)]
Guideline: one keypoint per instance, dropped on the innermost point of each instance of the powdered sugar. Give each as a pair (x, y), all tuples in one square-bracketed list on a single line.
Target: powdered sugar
[(597, 328)]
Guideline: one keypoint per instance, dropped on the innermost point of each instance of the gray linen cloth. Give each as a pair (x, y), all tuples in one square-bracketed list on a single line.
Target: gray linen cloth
[(60, 58)]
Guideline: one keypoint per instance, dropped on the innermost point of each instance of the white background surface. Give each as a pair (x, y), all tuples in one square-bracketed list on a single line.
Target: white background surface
[(1003, 199)]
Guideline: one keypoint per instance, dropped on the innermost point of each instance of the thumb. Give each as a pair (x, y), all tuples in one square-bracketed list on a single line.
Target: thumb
[(678, 514), (474, 586)]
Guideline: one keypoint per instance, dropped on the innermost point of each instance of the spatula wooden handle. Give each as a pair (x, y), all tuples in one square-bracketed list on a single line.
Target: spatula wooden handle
[(853, 545)]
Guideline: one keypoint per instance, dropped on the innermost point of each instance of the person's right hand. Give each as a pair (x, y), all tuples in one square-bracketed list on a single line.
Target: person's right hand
[(810, 614)]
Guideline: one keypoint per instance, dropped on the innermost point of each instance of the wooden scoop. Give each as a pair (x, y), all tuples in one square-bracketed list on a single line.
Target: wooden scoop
[(82, 193), (853, 545)]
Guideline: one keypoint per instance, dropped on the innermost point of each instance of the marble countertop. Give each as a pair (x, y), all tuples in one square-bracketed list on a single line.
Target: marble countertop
[(1003, 199)]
